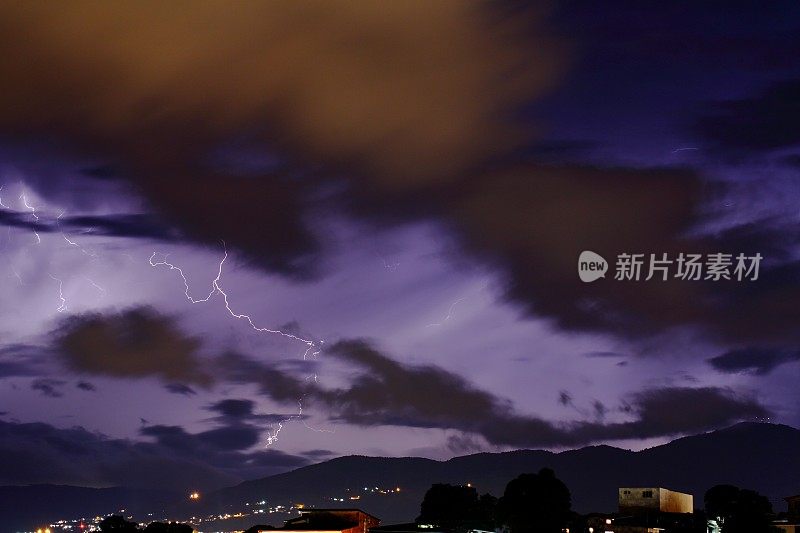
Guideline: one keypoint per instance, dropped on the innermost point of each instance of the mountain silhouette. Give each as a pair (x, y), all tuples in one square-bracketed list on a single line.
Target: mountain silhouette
[(763, 457), (759, 456)]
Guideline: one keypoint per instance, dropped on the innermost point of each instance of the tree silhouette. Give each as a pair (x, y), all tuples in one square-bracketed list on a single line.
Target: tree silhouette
[(535, 503), (117, 523), (456, 507), (738, 510)]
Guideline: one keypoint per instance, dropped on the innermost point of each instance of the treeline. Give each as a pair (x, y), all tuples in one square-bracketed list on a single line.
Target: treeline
[(542, 503)]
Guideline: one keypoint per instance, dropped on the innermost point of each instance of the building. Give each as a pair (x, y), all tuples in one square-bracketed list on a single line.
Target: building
[(331, 520), (324, 521), (794, 507), (791, 522), (638, 500)]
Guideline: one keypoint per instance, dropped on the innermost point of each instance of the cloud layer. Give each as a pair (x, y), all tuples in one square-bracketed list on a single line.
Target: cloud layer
[(385, 392)]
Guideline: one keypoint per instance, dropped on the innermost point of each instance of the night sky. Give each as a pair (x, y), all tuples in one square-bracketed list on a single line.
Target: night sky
[(402, 191)]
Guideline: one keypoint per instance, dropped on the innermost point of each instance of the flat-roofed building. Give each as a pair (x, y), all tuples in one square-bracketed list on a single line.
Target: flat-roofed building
[(324, 521), (654, 499), (791, 522), (331, 520)]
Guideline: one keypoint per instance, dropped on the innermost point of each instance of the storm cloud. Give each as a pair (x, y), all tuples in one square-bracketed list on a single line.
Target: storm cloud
[(385, 392), (135, 343), (170, 458), (756, 124), (392, 393), (404, 93), (249, 132), (753, 360)]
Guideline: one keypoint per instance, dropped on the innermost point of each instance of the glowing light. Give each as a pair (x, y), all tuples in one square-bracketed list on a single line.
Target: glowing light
[(194, 496)]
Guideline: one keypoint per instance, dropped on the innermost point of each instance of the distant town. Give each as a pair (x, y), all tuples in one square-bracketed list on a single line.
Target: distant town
[(531, 503)]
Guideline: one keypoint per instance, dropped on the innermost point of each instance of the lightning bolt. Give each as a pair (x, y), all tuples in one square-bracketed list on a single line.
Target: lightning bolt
[(63, 307), (70, 241), (312, 348), (103, 292), (33, 213), (449, 313), (217, 288)]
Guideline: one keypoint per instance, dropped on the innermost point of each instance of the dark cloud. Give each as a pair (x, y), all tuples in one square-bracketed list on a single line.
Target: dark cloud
[(136, 343), (180, 388), (753, 360), (124, 225), (755, 124), (135, 225), (235, 411), (223, 439), (275, 383), (602, 354), (564, 398), (22, 360), (383, 391), (600, 409), (391, 393), (41, 453), (353, 85), (387, 120), (49, 387), (86, 386), (231, 438)]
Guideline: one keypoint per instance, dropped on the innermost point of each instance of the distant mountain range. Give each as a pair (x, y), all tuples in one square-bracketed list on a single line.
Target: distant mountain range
[(764, 457)]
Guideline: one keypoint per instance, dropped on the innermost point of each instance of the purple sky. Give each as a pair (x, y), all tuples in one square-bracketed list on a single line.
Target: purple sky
[(410, 214)]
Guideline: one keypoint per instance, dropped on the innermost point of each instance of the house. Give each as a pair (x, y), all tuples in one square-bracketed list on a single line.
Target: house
[(646, 510), (324, 521), (634, 500), (791, 522), (331, 520)]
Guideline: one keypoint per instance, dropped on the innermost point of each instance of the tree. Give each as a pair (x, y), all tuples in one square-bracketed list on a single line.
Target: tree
[(172, 527), (535, 503), (456, 506), (738, 510), (117, 523)]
